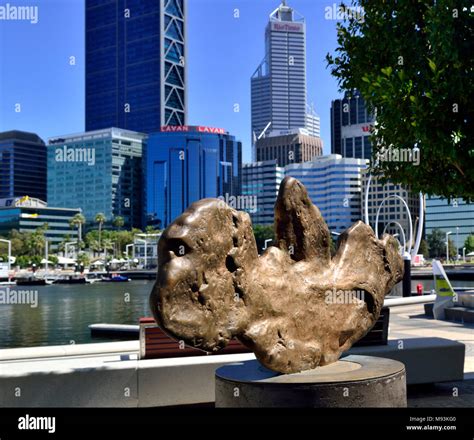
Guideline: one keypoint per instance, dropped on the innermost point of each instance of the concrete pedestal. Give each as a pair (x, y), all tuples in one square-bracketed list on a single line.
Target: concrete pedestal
[(355, 381)]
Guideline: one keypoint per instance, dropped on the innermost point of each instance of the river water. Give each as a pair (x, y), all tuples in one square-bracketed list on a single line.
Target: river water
[(64, 312)]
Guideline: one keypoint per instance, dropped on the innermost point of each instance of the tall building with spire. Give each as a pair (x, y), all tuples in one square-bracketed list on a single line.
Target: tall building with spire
[(279, 84)]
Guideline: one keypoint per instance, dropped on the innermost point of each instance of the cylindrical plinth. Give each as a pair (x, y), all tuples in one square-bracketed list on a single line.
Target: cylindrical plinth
[(354, 381)]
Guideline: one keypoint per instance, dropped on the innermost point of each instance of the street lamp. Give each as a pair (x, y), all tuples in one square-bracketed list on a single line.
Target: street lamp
[(447, 245), (127, 253), (457, 243), (269, 240), (9, 255)]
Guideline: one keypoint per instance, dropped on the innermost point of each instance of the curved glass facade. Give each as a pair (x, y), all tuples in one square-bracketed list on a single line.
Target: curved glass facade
[(182, 168)]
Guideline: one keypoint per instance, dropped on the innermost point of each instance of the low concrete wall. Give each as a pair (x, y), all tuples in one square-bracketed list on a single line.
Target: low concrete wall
[(54, 351), (83, 376), (427, 360), (87, 379)]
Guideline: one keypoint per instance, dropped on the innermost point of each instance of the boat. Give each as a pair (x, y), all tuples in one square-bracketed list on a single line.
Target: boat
[(33, 281), (92, 280), (115, 278), (7, 283), (70, 279)]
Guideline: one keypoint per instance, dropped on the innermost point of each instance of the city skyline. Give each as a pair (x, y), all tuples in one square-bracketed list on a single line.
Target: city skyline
[(226, 104)]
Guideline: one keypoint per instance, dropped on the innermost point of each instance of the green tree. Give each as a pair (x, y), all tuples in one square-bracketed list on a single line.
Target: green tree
[(436, 243), (100, 219), (424, 249), (469, 243), (77, 222), (118, 222), (107, 244), (263, 233), (62, 245), (151, 230), (83, 259), (34, 241), (412, 62)]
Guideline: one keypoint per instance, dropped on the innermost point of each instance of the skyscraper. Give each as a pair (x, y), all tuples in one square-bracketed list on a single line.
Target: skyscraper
[(184, 164), (278, 86), (135, 64), (22, 165), (260, 183), (351, 123), (350, 127), (100, 172)]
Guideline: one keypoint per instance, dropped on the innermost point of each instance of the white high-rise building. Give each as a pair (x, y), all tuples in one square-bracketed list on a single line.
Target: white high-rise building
[(279, 86), (334, 184)]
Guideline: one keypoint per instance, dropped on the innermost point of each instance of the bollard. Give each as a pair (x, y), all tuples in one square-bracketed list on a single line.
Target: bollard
[(407, 275)]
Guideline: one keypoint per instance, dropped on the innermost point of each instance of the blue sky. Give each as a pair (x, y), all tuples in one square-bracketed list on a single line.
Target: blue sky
[(223, 52)]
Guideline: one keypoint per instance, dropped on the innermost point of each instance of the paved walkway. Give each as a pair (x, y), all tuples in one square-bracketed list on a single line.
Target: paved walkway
[(411, 322)]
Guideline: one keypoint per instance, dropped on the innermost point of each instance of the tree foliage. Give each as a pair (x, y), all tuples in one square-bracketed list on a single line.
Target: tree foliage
[(263, 233), (412, 62), (437, 244), (469, 243)]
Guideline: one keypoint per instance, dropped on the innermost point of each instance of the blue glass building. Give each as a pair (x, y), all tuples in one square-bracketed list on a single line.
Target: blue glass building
[(453, 215), (99, 172), (22, 165), (185, 164), (135, 64), (334, 184)]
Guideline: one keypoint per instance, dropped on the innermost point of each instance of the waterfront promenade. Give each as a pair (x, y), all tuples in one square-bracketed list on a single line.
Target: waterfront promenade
[(112, 375)]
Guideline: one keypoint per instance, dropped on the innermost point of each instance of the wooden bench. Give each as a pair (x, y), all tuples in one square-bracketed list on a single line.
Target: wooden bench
[(378, 335), (156, 344)]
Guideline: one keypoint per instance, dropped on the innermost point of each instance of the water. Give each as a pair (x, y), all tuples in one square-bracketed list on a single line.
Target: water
[(65, 311)]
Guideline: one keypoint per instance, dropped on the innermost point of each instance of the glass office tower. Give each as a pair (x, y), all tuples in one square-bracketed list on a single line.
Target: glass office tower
[(135, 64), (261, 180), (22, 165), (453, 215), (99, 172), (334, 184), (351, 124), (279, 85), (185, 164)]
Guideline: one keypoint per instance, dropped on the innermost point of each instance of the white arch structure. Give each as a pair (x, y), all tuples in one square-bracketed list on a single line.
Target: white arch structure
[(393, 222), (410, 248)]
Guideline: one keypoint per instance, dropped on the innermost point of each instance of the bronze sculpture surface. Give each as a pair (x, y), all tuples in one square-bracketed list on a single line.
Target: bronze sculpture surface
[(295, 307)]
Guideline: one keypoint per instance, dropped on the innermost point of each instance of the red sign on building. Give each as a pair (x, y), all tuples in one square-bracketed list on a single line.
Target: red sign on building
[(188, 128)]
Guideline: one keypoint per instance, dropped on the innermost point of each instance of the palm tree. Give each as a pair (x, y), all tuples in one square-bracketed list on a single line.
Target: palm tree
[(108, 245), (118, 222), (77, 221), (100, 218)]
